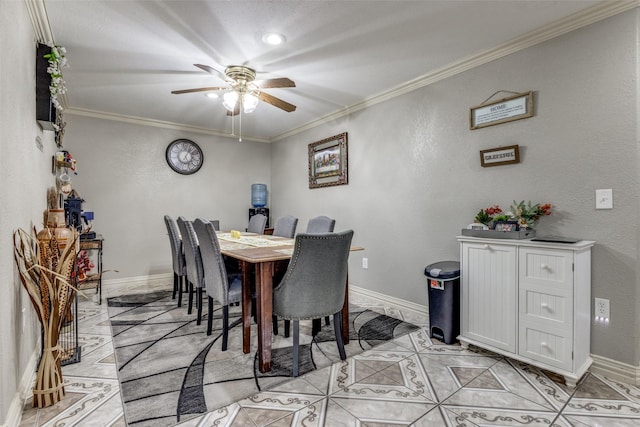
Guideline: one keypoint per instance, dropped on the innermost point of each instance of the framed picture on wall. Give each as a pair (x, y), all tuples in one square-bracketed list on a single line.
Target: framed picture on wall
[(328, 162)]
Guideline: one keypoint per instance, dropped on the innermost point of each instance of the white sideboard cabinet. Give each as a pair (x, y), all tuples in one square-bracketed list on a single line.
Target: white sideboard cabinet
[(528, 300)]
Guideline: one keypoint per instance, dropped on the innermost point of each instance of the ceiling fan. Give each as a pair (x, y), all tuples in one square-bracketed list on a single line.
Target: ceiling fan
[(244, 91)]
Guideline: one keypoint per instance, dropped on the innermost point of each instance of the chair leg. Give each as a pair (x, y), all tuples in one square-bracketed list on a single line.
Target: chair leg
[(316, 325), (287, 327), (175, 285), (274, 321), (296, 342), (180, 280), (190, 307), (225, 326), (199, 305), (337, 320), (209, 315), (327, 321)]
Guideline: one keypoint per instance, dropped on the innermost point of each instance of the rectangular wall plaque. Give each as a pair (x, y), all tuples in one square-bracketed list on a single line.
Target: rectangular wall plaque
[(500, 156), (516, 107)]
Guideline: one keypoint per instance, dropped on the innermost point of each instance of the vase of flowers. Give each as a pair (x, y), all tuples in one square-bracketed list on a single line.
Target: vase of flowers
[(525, 215)]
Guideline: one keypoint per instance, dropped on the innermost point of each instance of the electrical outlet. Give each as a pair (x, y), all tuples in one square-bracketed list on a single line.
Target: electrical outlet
[(365, 263), (601, 311)]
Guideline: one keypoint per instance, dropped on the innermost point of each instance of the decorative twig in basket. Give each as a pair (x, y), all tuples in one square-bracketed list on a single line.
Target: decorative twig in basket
[(47, 274)]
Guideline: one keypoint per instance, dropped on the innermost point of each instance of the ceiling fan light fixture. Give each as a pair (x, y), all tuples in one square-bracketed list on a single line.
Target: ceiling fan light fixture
[(249, 102), (273, 39), (229, 100), (212, 95)]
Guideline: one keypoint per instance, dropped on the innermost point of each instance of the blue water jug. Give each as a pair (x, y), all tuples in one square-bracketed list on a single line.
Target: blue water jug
[(259, 195)]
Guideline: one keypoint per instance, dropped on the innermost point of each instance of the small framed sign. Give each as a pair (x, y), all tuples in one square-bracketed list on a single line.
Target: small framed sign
[(499, 156), (519, 106)]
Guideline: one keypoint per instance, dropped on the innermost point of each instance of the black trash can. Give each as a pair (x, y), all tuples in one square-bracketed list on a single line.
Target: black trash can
[(444, 300)]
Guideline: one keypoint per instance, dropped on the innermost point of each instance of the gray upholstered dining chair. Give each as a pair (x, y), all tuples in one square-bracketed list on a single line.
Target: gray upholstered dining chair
[(220, 286), (257, 224), (320, 224), (314, 285), (177, 257), (285, 226), (195, 273)]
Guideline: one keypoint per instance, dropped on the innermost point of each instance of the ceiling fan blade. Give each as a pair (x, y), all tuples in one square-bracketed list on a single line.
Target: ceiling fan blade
[(276, 102), (199, 89), (272, 83)]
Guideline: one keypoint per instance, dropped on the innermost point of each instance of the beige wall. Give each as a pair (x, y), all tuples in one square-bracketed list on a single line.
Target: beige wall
[(415, 177), (25, 173)]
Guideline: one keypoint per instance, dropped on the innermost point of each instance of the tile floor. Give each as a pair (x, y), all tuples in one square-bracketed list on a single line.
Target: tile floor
[(409, 381)]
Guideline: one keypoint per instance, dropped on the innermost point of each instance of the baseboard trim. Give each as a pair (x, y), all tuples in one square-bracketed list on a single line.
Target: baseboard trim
[(14, 414), (393, 302), (615, 370), (151, 280)]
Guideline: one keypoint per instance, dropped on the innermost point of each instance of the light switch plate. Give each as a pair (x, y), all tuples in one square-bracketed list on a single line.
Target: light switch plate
[(604, 199)]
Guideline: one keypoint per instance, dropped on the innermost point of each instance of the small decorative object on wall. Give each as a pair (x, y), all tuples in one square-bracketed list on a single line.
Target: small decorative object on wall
[(184, 156), (516, 107), (328, 163), (500, 156)]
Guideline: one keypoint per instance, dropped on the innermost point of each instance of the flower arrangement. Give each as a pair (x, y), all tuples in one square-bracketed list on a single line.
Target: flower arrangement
[(57, 60), (525, 214)]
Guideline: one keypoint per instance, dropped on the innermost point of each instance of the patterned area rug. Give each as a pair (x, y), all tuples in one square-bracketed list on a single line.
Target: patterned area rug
[(171, 371)]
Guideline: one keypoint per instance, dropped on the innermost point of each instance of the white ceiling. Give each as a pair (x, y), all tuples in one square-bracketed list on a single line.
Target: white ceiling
[(126, 57)]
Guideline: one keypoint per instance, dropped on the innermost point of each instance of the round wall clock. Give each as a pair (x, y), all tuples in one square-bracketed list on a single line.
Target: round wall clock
[(184, 156)]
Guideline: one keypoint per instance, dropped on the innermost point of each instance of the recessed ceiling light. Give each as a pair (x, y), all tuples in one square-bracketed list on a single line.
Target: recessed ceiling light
[(212, 95), (273, 39)]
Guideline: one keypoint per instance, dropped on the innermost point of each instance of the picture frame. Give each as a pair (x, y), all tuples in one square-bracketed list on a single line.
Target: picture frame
[(516, 107), (500, 156), (506, 226), (328, 161)]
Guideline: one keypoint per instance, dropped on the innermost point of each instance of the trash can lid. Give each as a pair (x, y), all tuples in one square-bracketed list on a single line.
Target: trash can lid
[(443, 270)]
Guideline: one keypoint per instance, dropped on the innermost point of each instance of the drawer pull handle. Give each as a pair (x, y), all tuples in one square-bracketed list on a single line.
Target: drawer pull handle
[(487, 247), (544, 344), (544, 305), (544, 267)]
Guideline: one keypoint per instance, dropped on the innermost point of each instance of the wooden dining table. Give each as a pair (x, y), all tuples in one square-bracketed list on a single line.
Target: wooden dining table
[(260, 257)]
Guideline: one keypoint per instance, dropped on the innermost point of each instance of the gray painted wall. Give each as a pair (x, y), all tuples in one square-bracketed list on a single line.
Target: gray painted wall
[(415, 177), (25, 176), (124, 178)]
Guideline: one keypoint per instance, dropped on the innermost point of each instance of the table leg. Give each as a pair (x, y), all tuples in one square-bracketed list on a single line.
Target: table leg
[(264, 301), (246, 306), (345, 315)]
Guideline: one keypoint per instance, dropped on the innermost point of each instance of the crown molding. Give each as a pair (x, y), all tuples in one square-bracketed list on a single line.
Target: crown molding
[(573, 22), (156, 123), (603, 10)]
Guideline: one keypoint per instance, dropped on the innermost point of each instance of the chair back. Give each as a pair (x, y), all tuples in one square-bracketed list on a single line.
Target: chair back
[(321, 224), (314, 285), (195, 274), (177, 255), (215, 272), (216, 224), (285, 226), (257, 224)]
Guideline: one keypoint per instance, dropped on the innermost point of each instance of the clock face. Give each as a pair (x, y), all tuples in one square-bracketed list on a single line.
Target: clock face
[(184, 156)]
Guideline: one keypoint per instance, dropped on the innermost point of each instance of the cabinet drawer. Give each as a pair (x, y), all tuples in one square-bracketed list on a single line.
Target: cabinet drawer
[(546, 267), (551, 347), (542, 306)]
